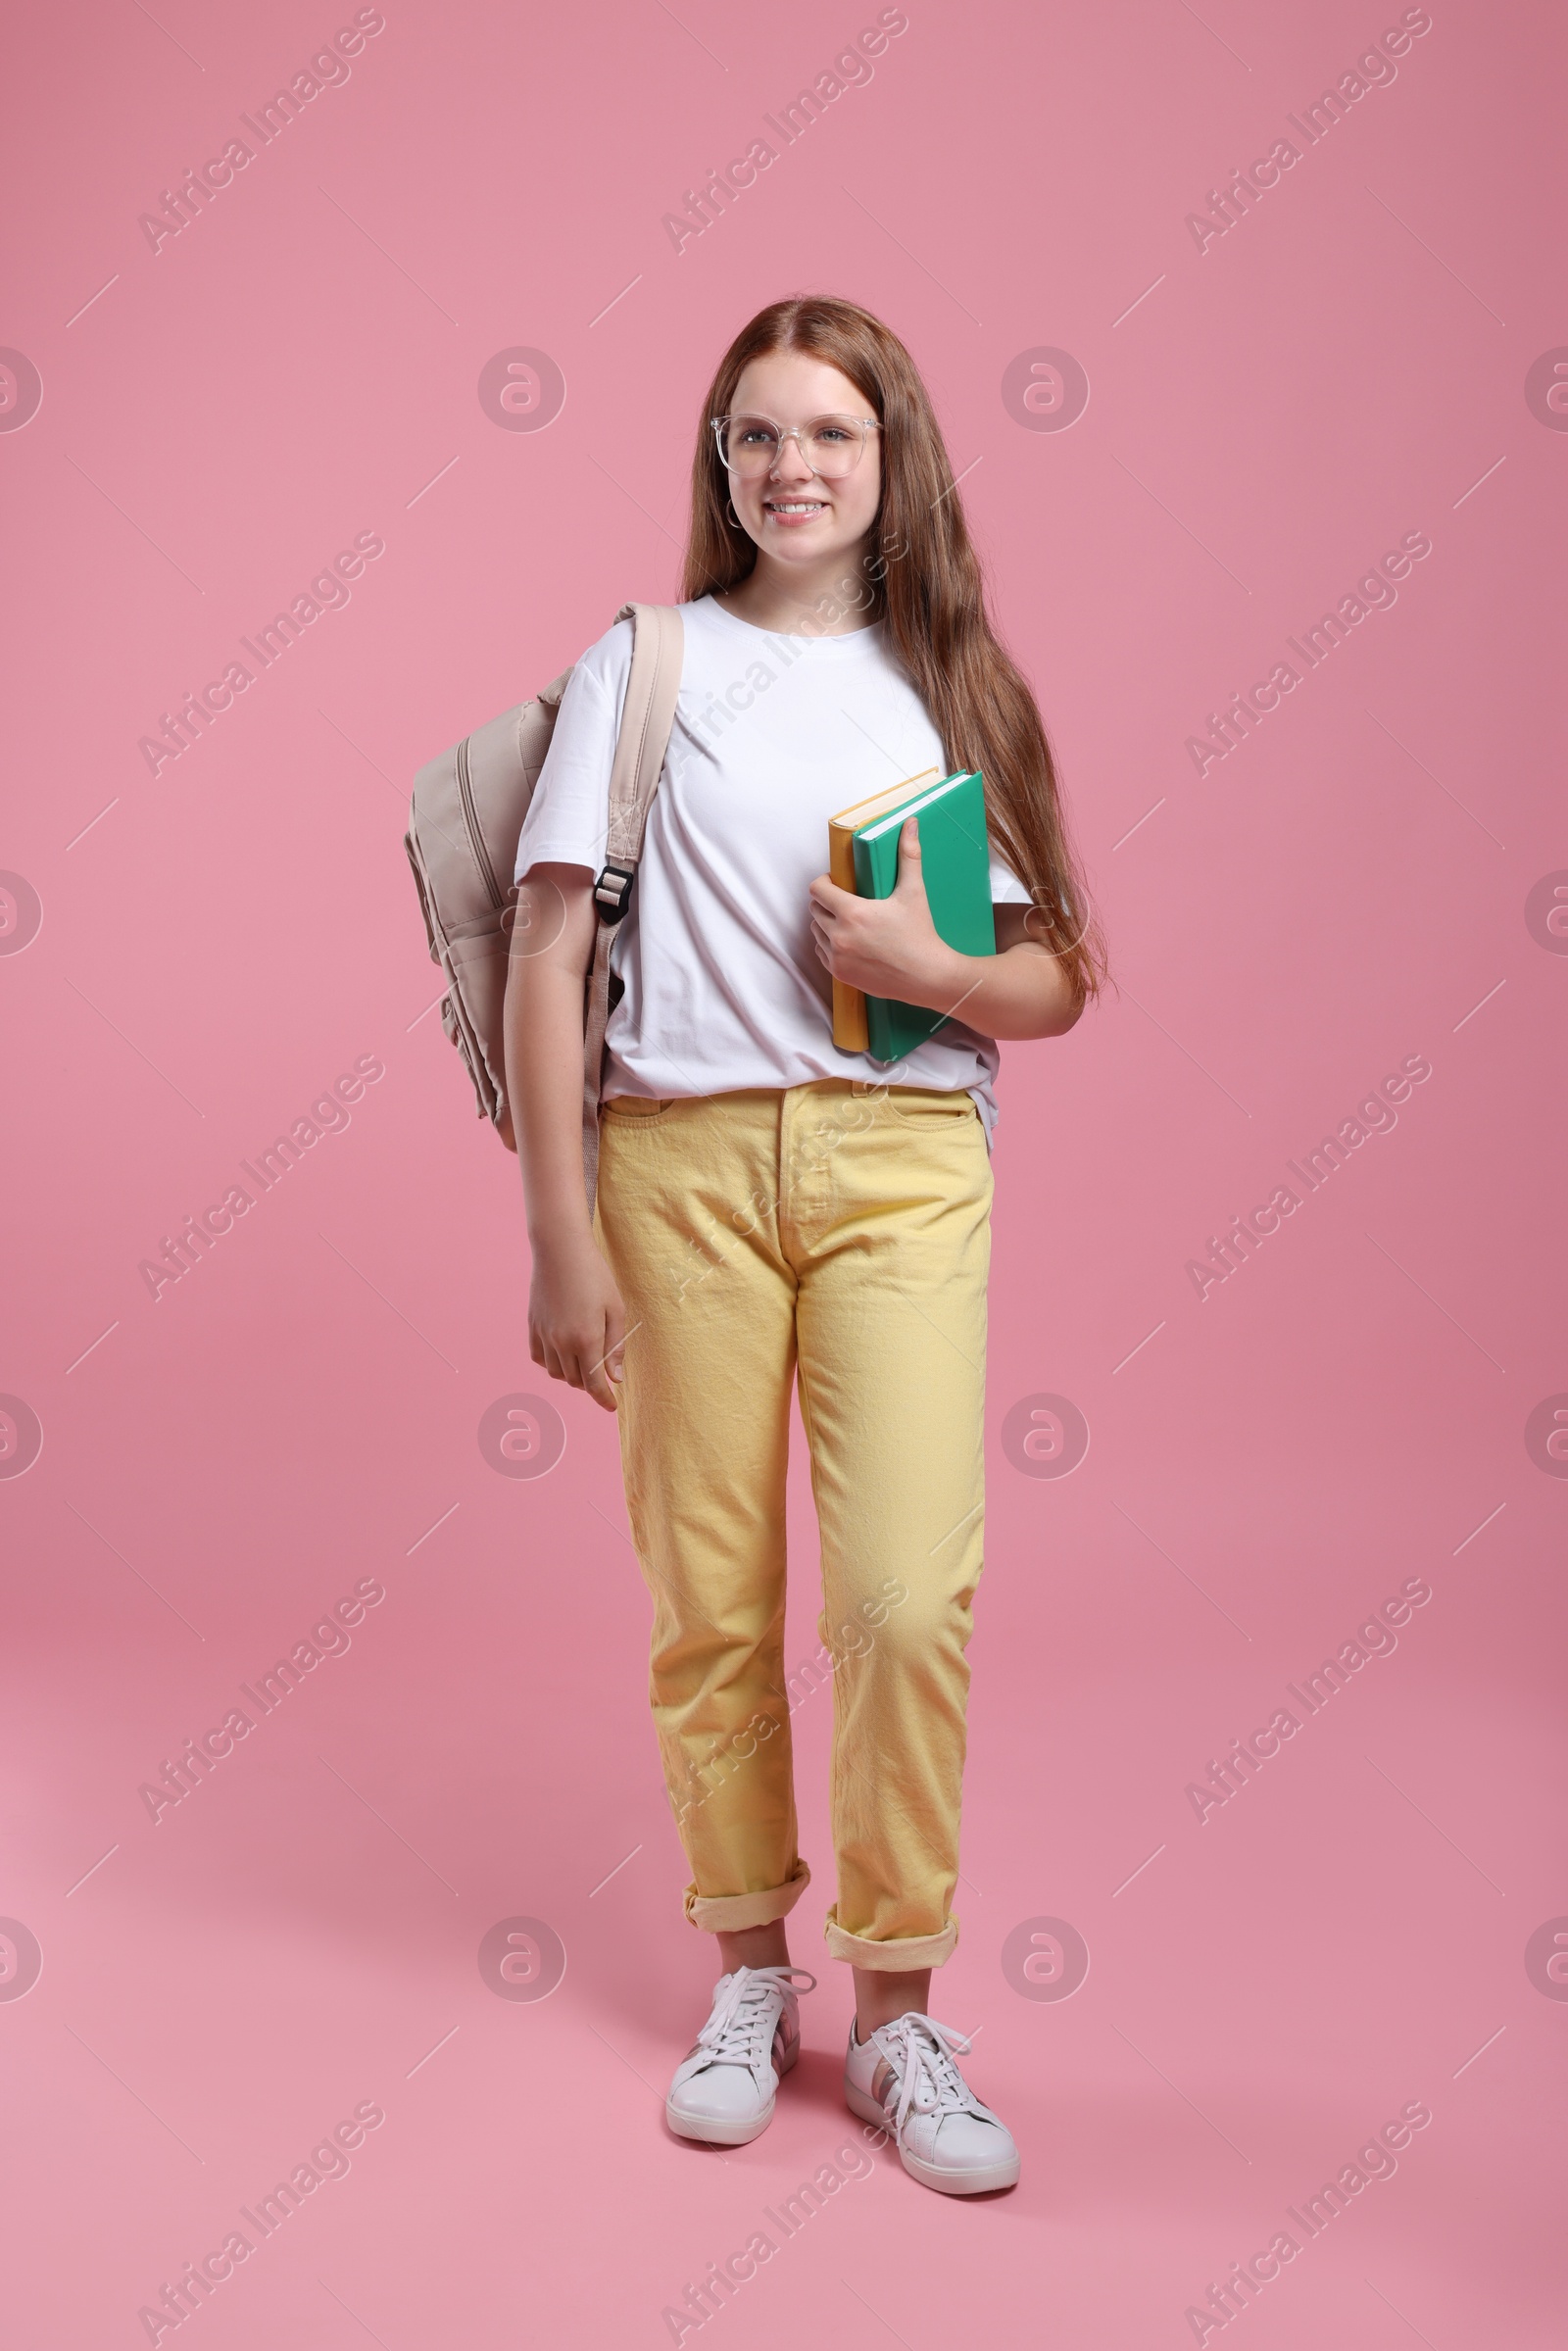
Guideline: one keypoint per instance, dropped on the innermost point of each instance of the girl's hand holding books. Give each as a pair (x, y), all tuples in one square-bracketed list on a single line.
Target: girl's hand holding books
[(886, 946)]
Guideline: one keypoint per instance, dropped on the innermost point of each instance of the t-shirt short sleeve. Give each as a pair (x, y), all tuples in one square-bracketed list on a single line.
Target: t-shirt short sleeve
[(568, 817), (1005, 888)]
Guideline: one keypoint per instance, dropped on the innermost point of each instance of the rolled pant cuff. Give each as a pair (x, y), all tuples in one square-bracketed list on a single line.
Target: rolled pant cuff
[(728, 1914), (891, 1957)]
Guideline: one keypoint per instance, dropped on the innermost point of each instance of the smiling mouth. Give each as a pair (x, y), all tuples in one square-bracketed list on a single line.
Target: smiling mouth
[(795, 509)]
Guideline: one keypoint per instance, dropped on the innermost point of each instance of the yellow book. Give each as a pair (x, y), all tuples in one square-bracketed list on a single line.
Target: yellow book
[(850, 1033)]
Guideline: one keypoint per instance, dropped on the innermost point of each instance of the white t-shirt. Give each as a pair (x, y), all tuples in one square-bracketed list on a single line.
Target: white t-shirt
[(774, 735)]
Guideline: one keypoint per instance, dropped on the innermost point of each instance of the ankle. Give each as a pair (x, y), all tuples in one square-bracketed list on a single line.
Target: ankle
[(881, 1995), (754, 1947)]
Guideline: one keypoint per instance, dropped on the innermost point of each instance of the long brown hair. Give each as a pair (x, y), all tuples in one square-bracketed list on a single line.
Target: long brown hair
[(925, 583)]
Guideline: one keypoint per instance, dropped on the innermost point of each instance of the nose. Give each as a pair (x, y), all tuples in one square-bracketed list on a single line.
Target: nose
[(790, 467)]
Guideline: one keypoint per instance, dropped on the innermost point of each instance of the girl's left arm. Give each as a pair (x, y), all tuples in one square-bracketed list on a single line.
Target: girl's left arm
[(888, 947)]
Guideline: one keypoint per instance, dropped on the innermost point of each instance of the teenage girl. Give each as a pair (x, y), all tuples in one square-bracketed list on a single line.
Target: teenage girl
[(772, 1208)]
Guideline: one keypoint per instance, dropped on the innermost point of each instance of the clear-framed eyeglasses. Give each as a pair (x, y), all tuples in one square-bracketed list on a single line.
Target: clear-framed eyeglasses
[(751, 446)]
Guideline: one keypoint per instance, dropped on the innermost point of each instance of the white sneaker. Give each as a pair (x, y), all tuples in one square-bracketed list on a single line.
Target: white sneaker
[(903, 2079), (724, 2090)]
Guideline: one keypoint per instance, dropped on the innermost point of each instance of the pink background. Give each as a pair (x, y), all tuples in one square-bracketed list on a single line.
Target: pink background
[(219, 941)]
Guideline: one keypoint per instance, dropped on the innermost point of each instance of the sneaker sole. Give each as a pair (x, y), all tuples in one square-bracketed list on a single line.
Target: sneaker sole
[(718, 2131), (930, 2174)]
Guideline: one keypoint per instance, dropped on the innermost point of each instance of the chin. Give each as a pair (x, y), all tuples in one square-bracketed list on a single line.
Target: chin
[(808, 545)]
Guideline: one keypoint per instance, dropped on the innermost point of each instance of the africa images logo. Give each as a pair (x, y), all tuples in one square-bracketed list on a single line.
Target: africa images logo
[(851, 70)]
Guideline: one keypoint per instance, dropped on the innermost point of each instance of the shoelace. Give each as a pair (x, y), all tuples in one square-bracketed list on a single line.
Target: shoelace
[(931, 2083), (740, 2030)]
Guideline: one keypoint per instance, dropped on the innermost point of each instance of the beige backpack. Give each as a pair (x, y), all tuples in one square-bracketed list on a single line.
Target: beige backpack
[(464, 820)]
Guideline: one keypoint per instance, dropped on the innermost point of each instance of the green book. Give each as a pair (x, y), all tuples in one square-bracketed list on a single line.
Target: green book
[(955, 859)]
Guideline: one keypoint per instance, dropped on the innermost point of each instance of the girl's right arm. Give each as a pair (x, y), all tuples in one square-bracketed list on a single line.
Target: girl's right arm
[(576, 1322)]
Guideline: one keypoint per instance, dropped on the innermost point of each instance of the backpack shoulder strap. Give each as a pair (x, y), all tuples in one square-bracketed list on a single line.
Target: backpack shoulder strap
[(658, 642), (649, 713)]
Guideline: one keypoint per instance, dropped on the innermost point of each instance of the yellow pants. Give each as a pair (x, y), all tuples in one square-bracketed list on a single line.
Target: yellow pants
[(839, 1233)]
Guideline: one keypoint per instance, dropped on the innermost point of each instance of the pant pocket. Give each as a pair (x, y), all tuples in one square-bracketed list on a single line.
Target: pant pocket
[(922, 1107), (631, 1110)]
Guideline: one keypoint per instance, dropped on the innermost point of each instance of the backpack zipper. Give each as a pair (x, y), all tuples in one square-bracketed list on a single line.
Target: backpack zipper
[(481, 856)]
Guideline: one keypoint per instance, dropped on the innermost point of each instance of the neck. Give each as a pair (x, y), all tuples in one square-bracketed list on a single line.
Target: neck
[(830, 597)]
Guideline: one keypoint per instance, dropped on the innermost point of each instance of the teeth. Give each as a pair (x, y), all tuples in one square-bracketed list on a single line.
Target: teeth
[(800, 507)]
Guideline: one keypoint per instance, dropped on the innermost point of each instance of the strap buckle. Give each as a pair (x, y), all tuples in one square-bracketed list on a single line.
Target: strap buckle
[(613, 892)]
